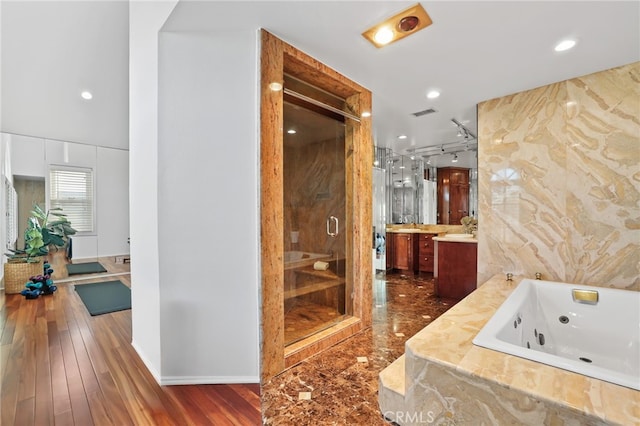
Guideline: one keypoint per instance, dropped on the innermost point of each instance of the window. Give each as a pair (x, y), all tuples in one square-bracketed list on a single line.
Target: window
[(71, 189)]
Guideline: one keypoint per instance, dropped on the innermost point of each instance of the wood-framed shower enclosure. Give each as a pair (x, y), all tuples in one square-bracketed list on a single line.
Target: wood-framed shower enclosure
[(277, 59)]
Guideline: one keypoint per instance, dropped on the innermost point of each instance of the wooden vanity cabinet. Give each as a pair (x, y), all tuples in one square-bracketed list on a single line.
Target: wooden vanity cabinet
[(388, 253), (453, 195), (403, 251), (425, 251), (456, 269)]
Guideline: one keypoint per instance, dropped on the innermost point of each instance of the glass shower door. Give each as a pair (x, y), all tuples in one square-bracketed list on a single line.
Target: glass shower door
[(315, 220)]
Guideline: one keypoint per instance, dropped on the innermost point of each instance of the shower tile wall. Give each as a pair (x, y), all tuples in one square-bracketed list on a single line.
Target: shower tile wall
[(559, 184), (314, 180)]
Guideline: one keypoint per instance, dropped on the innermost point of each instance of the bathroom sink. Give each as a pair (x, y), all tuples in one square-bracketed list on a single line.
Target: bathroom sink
[(459, 235)]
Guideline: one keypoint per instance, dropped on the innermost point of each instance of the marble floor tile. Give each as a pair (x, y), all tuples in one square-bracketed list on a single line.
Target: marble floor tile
[(343, 389)]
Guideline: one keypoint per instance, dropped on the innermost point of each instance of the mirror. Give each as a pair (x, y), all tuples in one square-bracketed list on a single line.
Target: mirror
[(411, 185), (29, 163)]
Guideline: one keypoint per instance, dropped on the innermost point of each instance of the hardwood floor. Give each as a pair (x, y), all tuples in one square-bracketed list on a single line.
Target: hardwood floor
[(61, 366)]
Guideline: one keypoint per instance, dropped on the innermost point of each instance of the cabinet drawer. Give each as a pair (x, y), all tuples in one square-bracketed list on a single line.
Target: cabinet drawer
[(426, 244), (425, 263)]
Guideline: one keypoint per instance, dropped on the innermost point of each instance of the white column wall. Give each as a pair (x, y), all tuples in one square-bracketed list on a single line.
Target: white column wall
[(208, 199), (145, 20), (112, 201)]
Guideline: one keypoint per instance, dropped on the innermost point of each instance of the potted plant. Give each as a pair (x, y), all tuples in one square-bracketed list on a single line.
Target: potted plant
[(42, 233)]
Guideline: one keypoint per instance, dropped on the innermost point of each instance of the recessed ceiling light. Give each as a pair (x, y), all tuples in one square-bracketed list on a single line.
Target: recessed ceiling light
[(366, 114), (402, 137), (398, 26), (383, 35), (432, 94), (291, 131), (275, 86), (86, 95), (564, 45)]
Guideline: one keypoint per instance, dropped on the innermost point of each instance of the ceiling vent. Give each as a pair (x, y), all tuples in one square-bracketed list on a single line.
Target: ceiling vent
[(424, 112)]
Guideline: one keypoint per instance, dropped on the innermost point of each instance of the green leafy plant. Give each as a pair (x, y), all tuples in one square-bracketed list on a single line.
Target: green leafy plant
[(469, 224), (42, 233)]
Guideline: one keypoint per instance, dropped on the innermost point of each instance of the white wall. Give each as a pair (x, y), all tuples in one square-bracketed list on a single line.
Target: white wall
[(208, 207), (27, 155), (146, 19), (112, 201)]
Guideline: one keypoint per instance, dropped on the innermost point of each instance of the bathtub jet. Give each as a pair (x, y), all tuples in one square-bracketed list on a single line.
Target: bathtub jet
[(541, 321)]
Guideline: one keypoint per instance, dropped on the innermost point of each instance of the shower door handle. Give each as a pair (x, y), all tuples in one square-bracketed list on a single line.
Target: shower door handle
[(329, 220)]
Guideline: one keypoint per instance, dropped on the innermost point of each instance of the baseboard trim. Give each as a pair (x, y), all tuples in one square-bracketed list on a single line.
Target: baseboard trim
[(146, 363), (208, 380)]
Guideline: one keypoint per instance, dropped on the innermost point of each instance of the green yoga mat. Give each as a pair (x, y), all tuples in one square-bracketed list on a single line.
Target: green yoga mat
[(104, 297), (85, 268)]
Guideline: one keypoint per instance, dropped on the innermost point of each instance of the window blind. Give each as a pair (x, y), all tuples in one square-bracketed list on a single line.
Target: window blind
[(72, 190)]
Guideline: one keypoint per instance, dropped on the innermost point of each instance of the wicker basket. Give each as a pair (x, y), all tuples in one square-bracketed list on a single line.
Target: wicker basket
[(16, 275)]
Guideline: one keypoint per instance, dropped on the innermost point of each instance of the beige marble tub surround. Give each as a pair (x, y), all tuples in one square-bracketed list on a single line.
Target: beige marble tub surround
[(449, 378), (278, 57), (559, 181)]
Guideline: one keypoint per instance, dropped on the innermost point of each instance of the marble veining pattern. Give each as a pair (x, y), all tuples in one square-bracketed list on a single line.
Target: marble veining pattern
[(559, 185)]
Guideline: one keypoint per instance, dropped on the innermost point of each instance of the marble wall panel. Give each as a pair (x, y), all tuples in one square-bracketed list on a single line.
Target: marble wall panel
[(314, 189), (559, 180)]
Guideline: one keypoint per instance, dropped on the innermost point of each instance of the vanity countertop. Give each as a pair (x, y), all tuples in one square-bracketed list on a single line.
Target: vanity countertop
[(456, 239), (423, 229)]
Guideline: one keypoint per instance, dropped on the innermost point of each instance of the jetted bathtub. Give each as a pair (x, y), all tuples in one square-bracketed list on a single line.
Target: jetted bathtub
[(593, 331)]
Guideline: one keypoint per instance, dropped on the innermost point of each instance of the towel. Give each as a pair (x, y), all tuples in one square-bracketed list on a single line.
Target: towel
[(320, 266)]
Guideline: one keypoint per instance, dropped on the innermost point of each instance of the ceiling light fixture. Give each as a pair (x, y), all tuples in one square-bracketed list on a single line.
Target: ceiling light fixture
[(366, 114), (433, 94), (398, 26), (275, 86), (455, 158), (291, 131), (402, 137), (86, 95), (564, 45)]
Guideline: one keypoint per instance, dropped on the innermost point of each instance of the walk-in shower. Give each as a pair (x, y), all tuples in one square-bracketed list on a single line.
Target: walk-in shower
[(315, 223)]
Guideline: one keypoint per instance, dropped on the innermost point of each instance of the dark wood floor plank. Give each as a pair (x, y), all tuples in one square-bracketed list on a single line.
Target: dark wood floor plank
[(193, 400), (44, 395), (11, 375), (232, 404), (117, 409), (77, 396), (25, 412), (62, 366), (27, 387), (59, 388)]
